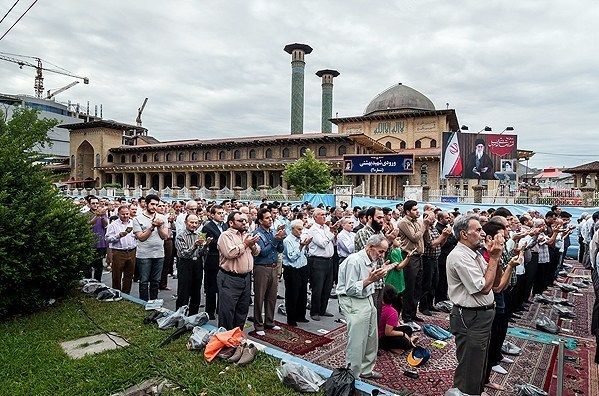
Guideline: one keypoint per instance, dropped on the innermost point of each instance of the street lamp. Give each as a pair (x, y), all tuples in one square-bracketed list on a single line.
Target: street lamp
[(507, 129), (485, 129)]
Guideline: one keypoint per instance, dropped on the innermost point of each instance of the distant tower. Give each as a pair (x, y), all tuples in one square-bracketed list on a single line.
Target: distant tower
[(327, 98), (297, 52)]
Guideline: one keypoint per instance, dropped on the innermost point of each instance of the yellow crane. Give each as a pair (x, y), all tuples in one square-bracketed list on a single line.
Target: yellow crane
[(39, 67)]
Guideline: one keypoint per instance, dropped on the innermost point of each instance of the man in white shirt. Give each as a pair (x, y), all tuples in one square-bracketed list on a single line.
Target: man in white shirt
[(123, 244)]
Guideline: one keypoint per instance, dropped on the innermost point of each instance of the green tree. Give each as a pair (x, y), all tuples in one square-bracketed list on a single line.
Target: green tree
[(45, 243), (308, 175)]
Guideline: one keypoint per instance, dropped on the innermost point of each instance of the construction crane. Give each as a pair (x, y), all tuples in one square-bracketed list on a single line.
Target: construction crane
[(51, 94), (39, 77), (139, 111)]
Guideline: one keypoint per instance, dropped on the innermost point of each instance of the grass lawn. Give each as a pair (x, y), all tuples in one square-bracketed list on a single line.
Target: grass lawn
[(33, 363)]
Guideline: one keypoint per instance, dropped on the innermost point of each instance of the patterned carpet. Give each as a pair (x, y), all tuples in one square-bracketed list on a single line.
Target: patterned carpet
[(292, 339)]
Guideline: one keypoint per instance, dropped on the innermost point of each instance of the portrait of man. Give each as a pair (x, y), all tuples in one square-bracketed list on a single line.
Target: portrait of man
[(479, 164), (348, 165), (407, 164)]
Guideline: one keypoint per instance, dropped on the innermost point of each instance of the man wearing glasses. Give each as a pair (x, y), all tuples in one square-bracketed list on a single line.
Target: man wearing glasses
[(237, 249), (213, 229)]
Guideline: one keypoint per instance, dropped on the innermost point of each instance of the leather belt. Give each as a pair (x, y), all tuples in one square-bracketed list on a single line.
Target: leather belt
[(480, 308), (273, 265), (235, 274)]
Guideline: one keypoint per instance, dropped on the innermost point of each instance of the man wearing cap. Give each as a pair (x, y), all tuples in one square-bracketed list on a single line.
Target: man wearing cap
[(470, 280), (479, 165)]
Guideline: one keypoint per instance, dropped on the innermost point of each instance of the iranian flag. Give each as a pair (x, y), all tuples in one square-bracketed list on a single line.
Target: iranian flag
[(452, 161)]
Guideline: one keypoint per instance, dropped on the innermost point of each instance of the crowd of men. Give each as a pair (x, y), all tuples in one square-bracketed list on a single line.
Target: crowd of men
[(488, 263)]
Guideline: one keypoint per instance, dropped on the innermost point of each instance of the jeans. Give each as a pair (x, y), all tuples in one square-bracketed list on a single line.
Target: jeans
[(150, 270)]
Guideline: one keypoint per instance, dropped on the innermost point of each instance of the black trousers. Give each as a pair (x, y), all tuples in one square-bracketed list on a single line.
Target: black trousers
[(413, 278), (430, 277), (321, 282), (296, 292), (441, 289), (234, 299), (498, 333), (210, 284), (97, 264), (531, 268), (189, 283)]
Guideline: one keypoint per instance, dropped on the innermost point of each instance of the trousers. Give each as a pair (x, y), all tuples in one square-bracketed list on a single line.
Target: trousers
[(362, 335), (321, 282), (234, 294), (413, 277), (266, 281), (189, 283), (123, 266)]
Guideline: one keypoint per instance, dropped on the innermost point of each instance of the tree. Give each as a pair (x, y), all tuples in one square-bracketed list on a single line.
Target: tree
[(308, 175), (45, 244)]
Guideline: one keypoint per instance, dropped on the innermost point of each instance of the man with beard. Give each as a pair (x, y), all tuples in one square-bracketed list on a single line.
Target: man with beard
[(470, 280), (479, 165)]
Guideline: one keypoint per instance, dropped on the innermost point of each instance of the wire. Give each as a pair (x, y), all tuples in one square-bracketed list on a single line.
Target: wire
[(17, 21), (8, 12)]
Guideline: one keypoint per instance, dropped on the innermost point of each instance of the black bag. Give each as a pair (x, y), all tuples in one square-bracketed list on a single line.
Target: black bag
[(342, 382)]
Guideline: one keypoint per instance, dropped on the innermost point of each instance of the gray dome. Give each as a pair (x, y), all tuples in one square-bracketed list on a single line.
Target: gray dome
[(399, 99)]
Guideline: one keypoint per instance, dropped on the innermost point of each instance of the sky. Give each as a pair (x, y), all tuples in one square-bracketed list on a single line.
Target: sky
[(217, 69)]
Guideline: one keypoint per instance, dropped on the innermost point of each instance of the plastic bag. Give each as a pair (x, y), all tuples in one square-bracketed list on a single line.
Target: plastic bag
[(545, 324), (436, 332), (530, 390), (196, 338), (299, 377), (444, 306), (172, 319), (342, 382)]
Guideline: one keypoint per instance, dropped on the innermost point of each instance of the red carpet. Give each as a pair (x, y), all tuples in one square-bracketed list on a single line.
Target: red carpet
[(292, 339)]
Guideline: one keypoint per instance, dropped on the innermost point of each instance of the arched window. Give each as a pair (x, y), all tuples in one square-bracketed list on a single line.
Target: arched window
[(222, 155), (418, 144), (144, 158), (134, 158), (181, 156), (303, 151), (194, 156), (237, 154), (388, 145), (342, 150), (322, 151), (123, 160), (433, 143), (156, 157), (207, 156), (109, 158), (252, 153), (268, 153), (402, 145), (285, 152), (97, 159), (167, 157)]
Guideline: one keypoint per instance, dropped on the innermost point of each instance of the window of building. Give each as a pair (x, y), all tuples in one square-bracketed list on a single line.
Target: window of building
[(418, 144), (322, 151), (423, 174), (144, 158), (109, 158), (97, 159), (285, 152), (303, 151), (402, 145), (433, 143), (134, 158), (194, 156), (237, 154), (342, 150), (167, 157), (268, 153), (388, 145), (222, 155), (207, 156), (252, 153), (123, 160), (156, 157), (181, 156)]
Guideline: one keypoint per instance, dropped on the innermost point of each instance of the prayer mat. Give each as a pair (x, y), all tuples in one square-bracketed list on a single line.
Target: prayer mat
[(580, 372), (540, 336), (293, 339)]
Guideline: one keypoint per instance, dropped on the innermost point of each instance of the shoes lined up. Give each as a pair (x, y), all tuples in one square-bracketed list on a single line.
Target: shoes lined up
[(244, 354)]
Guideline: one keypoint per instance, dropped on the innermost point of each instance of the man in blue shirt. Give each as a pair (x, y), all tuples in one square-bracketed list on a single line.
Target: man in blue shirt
[(265, 271), (295, 274)]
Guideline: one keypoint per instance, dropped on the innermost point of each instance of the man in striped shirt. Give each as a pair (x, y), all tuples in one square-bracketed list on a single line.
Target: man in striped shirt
[(190, 253)]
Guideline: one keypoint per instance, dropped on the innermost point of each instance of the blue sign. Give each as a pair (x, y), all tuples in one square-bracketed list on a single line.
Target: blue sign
[(449, 199), (378, 164)]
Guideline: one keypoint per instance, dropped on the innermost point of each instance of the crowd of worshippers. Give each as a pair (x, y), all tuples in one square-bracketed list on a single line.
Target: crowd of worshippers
[(388, 267)]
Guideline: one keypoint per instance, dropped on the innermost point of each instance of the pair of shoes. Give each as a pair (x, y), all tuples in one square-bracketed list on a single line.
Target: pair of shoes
[(373, 375), (506, 360), (315, 317), (499, 370), (510, 348), (247, 355), (426, 312), (328, 314), (237, 354)]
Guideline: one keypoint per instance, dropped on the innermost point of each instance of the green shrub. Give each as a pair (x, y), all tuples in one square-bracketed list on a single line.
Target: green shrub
[(45, 243)]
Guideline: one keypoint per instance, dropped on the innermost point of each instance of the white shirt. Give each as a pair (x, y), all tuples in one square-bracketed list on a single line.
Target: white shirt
[(115, 241), (345, 243), (180, 223), (322, 241), (153, 247)]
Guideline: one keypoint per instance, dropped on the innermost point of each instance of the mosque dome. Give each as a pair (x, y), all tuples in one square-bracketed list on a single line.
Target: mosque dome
[(399, 98)]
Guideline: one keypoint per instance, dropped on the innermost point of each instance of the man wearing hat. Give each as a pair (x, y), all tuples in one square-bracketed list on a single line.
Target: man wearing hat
[(479, 165)]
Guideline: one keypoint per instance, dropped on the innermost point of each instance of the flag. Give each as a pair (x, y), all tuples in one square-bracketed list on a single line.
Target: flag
[(452, 161)]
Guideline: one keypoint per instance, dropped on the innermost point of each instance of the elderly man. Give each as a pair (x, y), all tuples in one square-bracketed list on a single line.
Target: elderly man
[(470, 280), (122, 242), (355, 287), (296, 273), (236, 248)]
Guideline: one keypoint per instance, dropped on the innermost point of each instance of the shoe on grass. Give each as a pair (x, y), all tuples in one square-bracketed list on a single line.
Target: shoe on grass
[(248, 355)]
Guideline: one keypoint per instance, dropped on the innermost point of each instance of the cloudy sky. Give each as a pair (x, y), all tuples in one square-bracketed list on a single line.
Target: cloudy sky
[(217, 69)]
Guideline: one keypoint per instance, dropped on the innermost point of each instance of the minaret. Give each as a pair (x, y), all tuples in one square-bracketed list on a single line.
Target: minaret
[(327, 98), (297, 52)]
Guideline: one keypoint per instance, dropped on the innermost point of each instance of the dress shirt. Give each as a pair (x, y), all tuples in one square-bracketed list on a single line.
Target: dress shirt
[(466, 277), (186, 246), (322, 241), (234, 255), (180, 222), (345, 243), (429, 250), (352, 273), (270, 247), (115, 241), (410, 234), (293, 255), (282, 220), (360, 241)]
